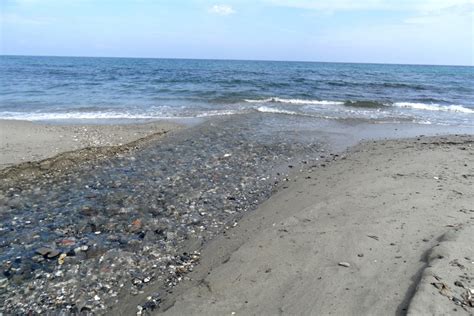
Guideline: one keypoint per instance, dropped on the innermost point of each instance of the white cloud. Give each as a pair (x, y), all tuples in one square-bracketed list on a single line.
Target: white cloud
[(222, 9), (447, 16), (347, 5)]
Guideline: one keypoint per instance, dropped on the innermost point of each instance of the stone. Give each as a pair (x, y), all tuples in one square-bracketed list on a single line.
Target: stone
[(3, 283), (53, 254), (43, 251), (344, 264)]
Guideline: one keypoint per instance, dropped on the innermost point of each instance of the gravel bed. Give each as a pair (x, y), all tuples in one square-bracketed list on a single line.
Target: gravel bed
[(76, 241)]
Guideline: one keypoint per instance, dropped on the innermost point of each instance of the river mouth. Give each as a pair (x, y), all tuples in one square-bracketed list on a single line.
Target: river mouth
[(82, 238)]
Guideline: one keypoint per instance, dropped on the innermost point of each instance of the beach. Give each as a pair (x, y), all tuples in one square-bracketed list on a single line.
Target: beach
[(24, 141), (385, 228), (226, 217)]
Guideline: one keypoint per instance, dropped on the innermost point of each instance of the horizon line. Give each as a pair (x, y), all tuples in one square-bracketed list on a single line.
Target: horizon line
[(249, 60)]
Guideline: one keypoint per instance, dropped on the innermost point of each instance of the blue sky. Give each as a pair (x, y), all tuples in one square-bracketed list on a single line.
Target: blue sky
[(382, 31)]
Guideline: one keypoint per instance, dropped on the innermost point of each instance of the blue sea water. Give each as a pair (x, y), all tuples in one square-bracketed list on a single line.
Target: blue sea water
[(68, 89)]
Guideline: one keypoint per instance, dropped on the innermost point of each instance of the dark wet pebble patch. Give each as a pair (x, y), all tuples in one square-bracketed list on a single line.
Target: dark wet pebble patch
[(77, 241)]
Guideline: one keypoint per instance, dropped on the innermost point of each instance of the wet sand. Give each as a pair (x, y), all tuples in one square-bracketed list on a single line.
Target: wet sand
[(386, 229), (23, 141)]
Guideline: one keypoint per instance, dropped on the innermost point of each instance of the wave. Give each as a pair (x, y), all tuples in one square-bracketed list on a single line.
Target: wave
[(391, 85), (365, 104), (74, 116), (293, 101), (61, 116), (434, 107), (369, 104), (217, 113), (266, 109)]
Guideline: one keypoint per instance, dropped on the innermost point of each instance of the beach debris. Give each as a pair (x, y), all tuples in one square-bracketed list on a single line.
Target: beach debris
[(443, 288), (344, 264), (468, 297), (61, 258)]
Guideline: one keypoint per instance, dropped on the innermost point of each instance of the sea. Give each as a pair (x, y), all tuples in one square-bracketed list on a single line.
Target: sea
[(122, 90)]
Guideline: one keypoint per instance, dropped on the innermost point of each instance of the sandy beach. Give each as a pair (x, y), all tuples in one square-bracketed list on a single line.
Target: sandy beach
[(384, 229), (23, 141), (155, 224)]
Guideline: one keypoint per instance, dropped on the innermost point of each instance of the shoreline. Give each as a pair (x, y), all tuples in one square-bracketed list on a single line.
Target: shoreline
[(30, 142), (75, 146), (364, 229)]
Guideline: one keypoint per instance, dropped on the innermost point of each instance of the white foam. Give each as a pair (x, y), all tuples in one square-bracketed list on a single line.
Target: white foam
[(295, 101), (217, 113), (423, 122), (38, 116), (75, 116), (266, 109), (434, 107)]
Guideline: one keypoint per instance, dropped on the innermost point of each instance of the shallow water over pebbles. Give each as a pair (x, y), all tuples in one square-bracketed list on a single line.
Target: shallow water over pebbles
[(80, 240)]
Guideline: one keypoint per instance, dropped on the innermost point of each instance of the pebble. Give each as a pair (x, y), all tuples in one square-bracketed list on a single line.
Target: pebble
[(177, 188)]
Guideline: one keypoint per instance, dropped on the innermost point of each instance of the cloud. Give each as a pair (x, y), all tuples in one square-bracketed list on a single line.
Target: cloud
[(350, 5), (222, 9), (448, 15)]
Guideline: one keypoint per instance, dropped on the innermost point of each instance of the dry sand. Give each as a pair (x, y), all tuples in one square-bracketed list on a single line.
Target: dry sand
[(22, 141), (367, 234)]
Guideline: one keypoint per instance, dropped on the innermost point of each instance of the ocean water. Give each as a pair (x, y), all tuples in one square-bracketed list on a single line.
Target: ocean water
[(71, 89)]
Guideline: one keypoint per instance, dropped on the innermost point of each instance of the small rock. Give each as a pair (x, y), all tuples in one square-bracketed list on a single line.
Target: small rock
[(43, 251), (345, 264), (53, 254), (3, 282)]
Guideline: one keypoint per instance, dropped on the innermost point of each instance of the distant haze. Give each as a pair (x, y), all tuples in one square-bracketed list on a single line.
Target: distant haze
[(376, 31)]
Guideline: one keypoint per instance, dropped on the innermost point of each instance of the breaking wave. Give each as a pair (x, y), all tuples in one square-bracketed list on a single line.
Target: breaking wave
[(434, 107), (266, 109)]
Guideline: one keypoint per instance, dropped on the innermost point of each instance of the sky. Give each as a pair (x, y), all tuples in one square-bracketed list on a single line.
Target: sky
[(374, 31)]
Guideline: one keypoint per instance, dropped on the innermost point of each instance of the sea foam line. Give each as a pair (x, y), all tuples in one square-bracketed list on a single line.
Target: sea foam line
[(266, 109), (74, 115), (411, 105), (434, 107), (32, 116)]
